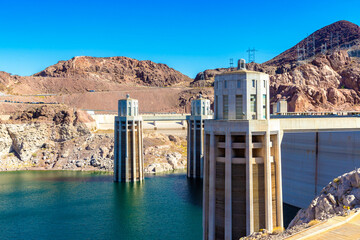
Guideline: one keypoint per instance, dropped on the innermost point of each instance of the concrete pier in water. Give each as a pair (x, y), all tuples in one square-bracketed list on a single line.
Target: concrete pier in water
[(128, 153), (200, 111)]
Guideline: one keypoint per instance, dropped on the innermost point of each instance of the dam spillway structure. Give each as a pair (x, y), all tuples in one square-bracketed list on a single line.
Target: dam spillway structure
[(128, 145), (200, 111), (242, 167)]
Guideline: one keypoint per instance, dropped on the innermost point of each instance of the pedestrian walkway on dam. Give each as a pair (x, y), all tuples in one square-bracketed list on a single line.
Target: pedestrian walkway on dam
[(339, 227)]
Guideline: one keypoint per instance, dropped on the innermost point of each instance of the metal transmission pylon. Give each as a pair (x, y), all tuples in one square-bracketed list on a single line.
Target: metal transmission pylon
[(231, 63), (251, 53), (300, 53), (331, 42), (313, 43), (310, 46), (323, 48)]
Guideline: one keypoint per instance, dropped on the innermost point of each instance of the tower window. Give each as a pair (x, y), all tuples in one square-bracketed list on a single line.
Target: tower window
[(238, 84), (225, 107), (253, 83), (253, 103), (264, 106), (239, 105), (225, 84), (264, 84)]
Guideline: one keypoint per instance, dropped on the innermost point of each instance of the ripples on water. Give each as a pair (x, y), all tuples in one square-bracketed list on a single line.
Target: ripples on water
[(80, 205)]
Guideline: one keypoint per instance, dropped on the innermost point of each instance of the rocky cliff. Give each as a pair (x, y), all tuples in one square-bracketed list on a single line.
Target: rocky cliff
[(56, 137), (81, 74), (343, 191), (116, 69)]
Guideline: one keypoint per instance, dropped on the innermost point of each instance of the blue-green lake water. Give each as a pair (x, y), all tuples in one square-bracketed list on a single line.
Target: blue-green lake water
[(82, 205)]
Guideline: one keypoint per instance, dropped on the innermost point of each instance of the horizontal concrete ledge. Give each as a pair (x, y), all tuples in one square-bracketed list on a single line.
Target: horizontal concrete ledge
[(256, 160)]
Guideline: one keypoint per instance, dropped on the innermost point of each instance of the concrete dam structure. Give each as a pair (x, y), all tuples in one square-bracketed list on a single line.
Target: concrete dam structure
[(254, 162), (250, 161)]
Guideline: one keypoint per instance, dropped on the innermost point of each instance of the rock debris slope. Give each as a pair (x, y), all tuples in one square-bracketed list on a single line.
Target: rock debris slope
[(342, 191)]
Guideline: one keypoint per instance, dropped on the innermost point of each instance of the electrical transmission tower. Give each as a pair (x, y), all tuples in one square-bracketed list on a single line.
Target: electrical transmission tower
[(251, 53), (323, 48), (331, 42), (301, 53), (231, 63)]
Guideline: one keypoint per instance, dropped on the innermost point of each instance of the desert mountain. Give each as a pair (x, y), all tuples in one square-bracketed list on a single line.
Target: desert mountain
[(328, 81), (116, 69), (81, 74), (339, 35)]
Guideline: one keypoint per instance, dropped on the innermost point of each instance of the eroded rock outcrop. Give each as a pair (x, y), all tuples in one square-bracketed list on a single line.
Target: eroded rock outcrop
[(164, 153), (342, 191)]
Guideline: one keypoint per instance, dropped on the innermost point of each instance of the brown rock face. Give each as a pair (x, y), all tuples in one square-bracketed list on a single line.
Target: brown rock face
[(118, 70), (342, 33), (329, 82), (51, 114)]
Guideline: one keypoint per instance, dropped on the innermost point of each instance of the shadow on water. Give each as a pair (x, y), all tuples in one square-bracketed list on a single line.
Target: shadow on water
[(195, 193), (289, 213)]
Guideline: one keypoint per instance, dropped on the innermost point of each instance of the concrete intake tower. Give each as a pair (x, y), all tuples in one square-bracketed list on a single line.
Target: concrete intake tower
[(200, 111), (242, 167), (128, 148)]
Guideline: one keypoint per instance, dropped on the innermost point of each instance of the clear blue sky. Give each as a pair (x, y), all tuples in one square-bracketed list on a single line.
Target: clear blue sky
[(189, 36)]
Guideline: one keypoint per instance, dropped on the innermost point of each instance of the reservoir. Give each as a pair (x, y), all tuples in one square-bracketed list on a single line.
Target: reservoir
[(88, 205), (83, 205)]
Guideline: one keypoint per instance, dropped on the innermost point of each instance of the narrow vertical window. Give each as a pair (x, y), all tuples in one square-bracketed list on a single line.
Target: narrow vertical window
[(216, 107), (253, 103), (253, 83), (239, 107), (264, 106), (225, 107), (225, 84), (264, 84), (238, 84)]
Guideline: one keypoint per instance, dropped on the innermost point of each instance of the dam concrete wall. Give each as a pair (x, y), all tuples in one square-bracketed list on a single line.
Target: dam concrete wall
[(310, 160)]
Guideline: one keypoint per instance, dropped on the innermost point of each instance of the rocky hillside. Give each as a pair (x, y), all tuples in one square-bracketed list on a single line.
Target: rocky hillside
[(325, 82), (340, 34), (342, 191), (116, 69), (81, 74), (57, 137)]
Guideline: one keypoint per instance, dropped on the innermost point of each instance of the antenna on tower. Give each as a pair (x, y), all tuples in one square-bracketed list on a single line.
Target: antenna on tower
[(251, 53)]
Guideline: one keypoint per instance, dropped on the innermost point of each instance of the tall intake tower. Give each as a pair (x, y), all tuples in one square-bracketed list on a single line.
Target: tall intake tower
[(200, 111), (242, 167), (128, 150)]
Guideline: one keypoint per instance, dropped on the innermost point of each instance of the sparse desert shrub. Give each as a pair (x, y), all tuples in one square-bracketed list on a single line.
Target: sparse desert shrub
[(278, 230), (313, 222)]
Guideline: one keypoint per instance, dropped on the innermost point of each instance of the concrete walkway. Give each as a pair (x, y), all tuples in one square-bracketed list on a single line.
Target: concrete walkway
[(335, 228)]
